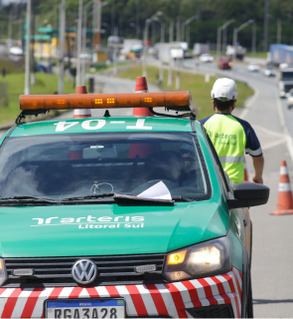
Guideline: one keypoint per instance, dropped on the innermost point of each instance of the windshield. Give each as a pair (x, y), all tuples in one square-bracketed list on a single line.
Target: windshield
[(286, 75), (75, 165)]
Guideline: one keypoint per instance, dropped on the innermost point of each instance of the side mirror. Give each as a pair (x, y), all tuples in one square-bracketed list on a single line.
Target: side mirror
[(249, 194)]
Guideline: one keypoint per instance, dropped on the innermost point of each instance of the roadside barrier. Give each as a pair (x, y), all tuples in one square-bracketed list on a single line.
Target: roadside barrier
[(81, 113), (285, 199), (141, 86)]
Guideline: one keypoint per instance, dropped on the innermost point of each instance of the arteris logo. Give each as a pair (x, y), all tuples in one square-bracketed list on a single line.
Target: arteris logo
[(91, 222)]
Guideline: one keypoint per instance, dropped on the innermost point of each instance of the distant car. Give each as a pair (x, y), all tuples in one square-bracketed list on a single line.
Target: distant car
[(290, 99), (206, 57), (225, 62), (253, 67), (269, 71), (86, 56), (16, 51)]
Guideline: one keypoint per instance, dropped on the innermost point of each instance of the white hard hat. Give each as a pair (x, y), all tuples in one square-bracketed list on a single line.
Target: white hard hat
[(224, 90)]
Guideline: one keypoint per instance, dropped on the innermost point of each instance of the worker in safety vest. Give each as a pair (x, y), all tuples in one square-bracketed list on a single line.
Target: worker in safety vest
[(232, 137)]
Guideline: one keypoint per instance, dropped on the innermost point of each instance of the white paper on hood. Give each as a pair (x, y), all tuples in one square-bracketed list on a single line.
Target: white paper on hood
[(157, 191)]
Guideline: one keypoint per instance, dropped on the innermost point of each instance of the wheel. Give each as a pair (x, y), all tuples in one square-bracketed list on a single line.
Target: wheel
[(249, 304)]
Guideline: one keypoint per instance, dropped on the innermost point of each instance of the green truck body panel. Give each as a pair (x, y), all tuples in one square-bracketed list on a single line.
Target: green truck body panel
[(102, 125), (106, 229)]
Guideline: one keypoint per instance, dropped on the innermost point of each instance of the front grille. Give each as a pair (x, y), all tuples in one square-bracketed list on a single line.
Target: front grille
[(56, 271)]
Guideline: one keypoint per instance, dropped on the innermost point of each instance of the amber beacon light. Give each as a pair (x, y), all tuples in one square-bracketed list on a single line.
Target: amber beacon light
[(122, 100)]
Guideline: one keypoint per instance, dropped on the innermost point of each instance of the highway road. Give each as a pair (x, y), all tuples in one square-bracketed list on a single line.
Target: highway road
[(272, 260)]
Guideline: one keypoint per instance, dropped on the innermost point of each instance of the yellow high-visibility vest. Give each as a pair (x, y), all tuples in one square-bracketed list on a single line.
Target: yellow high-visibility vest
[(229, 139)]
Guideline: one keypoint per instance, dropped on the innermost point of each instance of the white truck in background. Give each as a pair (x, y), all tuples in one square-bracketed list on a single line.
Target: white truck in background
[(285, 82), (168, 53), (200, 48)]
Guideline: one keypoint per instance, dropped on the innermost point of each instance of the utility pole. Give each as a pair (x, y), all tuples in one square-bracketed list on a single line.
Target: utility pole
[(79, 35), (27, 48), (62, 24), (279, 31), (97, 11), (266, 22)]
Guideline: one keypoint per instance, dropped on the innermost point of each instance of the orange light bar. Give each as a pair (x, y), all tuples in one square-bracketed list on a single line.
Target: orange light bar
[(122, 100)]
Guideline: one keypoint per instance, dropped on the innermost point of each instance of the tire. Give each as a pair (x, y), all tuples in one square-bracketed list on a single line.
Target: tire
[(248, 313), (249, 304)]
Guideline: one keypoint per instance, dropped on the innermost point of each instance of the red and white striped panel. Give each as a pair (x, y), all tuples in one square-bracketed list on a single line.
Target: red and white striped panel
[(141, 300)]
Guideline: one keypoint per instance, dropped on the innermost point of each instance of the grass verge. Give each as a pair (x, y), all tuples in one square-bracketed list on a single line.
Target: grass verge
[(44, 84), (199, 86)]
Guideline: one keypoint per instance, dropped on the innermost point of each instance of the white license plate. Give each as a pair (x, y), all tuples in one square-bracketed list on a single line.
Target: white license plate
[(85, 308)]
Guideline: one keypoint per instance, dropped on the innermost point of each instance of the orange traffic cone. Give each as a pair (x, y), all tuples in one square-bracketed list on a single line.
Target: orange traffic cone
[(141, 86), (141, 150), (246, 179), (81, 113), (285, 200)]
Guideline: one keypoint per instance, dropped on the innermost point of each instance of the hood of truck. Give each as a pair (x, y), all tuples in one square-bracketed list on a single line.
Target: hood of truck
[(86, 230)]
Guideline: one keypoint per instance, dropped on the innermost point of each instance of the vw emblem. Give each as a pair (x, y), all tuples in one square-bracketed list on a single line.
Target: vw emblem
[(84, 271)]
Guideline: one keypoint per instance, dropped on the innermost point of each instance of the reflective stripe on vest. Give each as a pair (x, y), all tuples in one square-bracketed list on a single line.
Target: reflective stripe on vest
[(231, 159)]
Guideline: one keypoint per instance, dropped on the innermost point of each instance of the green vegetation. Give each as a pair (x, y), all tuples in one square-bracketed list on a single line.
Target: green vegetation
[(128, 18), (195, 83), (47, 84), (44, 84)]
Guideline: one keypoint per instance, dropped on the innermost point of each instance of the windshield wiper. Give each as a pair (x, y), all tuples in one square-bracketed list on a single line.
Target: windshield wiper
[(130, 200), (88, 197), (26, 199), (180, 198)]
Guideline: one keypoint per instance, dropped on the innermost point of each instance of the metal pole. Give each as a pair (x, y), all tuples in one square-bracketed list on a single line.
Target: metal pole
[(62, 46), (178, 24), (235, 35), (244, 25), (84, 39), (266, 23), (279, 31), (253, 46), (171, 31), (145, 39), (27, 47), (79, 36), (97, 11), (219, 40)]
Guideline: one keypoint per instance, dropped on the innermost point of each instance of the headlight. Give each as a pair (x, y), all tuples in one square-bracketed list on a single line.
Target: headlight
[(207, 259), (3, 273)]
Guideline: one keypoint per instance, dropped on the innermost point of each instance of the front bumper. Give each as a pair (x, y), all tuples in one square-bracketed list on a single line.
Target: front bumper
[(175, 300)]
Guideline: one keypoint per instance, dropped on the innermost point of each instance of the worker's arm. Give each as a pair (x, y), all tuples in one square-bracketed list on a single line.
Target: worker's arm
[(258, 164)]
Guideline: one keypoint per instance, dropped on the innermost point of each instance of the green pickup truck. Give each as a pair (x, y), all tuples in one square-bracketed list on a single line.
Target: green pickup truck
[(121, 217)]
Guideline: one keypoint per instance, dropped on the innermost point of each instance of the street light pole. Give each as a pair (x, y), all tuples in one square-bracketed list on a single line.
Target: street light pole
[(84, 35), (235, 33), (79, 36), (62, 45), (186, 23), (145, 39), (27, 47), (219, 34)]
